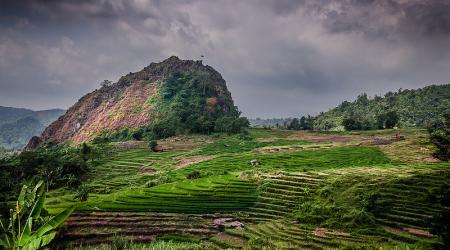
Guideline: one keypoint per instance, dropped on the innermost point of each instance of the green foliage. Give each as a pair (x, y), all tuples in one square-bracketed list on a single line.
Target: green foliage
[(152, 144), (154, 245), (193, 175), (342, 203), (182, 107), (405, 108), (82, 193), (352, 123), (225, 193), (27, 229), (58, 165), (440, 137)]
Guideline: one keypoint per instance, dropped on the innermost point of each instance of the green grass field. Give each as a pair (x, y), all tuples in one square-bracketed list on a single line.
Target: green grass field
[(311, 194)]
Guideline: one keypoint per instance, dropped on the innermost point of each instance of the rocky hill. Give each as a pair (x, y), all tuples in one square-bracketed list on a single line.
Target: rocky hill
[(173, 96), (18, 125), (404, 108)]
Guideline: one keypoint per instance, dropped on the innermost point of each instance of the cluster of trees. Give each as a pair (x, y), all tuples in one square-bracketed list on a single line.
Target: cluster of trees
[(304, 123), (404, 108), (440, 137), (182, 107), (58, 165)]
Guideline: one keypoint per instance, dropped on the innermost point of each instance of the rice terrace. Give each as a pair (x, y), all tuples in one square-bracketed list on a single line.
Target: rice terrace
[(241, 125)]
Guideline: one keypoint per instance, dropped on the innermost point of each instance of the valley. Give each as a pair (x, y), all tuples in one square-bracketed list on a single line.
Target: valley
[(310, 190)]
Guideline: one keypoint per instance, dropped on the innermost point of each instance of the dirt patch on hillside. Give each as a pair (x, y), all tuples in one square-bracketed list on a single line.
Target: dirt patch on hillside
[(184, 143), (149, 171), (290, 149), (228, 222), (130, 144), (191, 160), (232, 240), (324, 232), (315, 137), (418, 232)]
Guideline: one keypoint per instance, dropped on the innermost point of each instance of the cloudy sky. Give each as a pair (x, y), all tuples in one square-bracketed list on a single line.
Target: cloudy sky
[(279, 57)]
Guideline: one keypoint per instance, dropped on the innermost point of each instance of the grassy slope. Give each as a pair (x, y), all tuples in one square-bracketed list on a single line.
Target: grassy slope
[(119, 184)]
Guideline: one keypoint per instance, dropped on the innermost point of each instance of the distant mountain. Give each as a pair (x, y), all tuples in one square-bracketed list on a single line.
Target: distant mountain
[(163, 99), (18, 125), (404, 108)]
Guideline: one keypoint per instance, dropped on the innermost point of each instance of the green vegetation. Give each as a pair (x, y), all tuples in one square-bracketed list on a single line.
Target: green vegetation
[(440, 137), (186, 103), (405, 108), (58, 165), (200, 195), (156, 245), (27, 228), (330, 193)]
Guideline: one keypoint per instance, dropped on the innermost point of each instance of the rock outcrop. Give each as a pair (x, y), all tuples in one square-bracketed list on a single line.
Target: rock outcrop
[(126, 103)]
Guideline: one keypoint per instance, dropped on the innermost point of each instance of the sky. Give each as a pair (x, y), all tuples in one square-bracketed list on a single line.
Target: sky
[(280, 58)]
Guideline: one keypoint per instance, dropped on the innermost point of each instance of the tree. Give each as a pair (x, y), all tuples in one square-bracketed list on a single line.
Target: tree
[(350, 123), (106, 83), (294, 125), (85, 151), (25, 229), (440, 137), (391, 119)]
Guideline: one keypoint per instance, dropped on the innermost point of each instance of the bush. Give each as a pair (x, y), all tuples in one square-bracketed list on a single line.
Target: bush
[(152, 144), (350, 123), (193, 175), (82, 193)]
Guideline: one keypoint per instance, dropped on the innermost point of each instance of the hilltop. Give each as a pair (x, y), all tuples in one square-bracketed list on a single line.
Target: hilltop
[(18, 125), (171, 97), (404, 108)]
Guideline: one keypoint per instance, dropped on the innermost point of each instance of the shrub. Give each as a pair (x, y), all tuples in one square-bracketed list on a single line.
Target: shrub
[(193, 175), (152, 145), (82, 193)]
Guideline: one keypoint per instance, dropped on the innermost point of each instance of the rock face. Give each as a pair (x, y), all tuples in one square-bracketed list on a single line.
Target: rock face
[(126, 103)]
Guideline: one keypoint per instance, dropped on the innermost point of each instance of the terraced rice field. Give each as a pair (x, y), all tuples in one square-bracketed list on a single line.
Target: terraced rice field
[(204, 195), (84, 228), (141, 195), (281, 194)]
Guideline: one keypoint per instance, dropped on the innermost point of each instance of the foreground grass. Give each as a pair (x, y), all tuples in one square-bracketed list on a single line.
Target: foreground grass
[(155, 245)]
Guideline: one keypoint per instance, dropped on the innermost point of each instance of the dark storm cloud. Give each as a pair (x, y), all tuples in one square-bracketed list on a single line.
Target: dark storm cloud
[(279, 57)]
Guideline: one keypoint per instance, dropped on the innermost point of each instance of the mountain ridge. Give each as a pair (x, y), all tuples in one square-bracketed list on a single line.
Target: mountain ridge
[(18, 125), (136, 100)]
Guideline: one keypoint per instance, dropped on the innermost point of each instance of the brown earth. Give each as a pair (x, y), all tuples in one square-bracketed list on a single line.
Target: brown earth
[(324, 232), (191, 160), (318, 138), (127, 103), (418, 232)]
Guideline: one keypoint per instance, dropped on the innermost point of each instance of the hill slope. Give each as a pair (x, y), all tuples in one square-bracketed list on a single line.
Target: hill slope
[(18, 125), (411, 108), (173, 96)]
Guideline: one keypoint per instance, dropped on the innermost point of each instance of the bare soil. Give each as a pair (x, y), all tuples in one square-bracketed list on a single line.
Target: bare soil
[(418, 232), (324, 232), (191, 160), (314, 137)]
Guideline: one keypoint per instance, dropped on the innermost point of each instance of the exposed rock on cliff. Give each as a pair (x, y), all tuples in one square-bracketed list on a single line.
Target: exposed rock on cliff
[(130, 102)]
